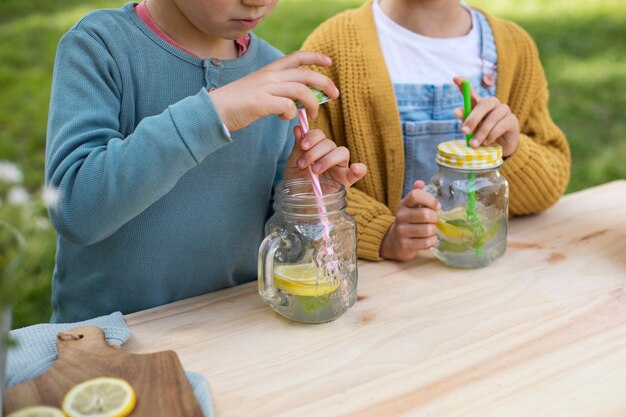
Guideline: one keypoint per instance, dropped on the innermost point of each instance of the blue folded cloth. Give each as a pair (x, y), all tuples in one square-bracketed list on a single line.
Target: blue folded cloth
[(35, 352)]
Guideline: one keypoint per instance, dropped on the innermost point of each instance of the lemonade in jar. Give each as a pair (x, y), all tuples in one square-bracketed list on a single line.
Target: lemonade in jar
[(474, 197), (307, 262)]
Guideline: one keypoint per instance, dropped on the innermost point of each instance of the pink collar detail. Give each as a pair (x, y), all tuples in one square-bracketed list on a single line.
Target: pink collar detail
[(143, 13)]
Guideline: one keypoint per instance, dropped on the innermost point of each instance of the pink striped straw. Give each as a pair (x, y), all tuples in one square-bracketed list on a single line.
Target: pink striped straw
[(317, 189)]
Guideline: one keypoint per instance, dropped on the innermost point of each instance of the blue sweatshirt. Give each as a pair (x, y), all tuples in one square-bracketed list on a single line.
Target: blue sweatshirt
[(156, 202)]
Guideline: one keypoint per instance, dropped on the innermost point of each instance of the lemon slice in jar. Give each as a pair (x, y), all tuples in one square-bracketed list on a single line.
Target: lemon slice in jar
[(38, 411), (101, 397), (454, 231), (302, 280), (454, 224)]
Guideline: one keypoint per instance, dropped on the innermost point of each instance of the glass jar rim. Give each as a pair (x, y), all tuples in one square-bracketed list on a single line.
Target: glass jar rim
[(305, 196), (458, 169)]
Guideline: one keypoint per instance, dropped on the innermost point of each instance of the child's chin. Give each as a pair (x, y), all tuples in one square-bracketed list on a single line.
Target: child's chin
[(236, 34), (241, 35)]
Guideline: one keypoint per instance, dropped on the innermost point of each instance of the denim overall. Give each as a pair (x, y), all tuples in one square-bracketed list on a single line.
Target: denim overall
[(427, 112)]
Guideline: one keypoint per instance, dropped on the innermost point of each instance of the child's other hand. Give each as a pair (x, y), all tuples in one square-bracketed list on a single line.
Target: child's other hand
[(272, 90), (415, 226), (490, 121), (326, 159)]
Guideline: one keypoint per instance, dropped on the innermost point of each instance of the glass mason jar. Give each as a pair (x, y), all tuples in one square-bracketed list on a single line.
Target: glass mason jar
[(474, 197), (307, 262)]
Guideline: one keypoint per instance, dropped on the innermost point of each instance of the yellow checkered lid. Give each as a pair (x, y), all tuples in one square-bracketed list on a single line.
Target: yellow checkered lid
[(456, 154)]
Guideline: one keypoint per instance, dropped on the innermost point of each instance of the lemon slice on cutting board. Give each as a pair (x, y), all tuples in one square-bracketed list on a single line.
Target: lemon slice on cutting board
[(100, 397), (302, 280), (38, 411)]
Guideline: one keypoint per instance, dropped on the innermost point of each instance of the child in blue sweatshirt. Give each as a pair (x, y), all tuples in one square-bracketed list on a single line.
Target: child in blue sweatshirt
[(169, 125)]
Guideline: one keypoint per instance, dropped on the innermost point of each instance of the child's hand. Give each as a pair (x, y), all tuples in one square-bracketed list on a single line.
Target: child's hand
[(490, 121), (272, 90), (325, 158), (415, 226)]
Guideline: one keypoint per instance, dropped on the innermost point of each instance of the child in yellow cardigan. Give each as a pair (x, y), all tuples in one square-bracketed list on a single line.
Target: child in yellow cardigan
[(399, 65)]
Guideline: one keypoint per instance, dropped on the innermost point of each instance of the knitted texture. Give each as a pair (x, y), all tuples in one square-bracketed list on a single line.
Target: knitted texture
[(366, 120), (156, 201), (36, 352)]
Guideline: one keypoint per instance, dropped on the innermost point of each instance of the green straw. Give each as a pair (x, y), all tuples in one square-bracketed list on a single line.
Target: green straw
[(467, 106), (471, 196)]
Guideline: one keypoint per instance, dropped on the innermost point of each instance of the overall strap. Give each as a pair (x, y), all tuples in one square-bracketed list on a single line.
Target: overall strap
[(488, 52)]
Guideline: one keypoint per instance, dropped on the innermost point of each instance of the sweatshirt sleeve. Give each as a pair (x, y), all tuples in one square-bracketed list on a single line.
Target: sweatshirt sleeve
[(285, 153), (104, 179)]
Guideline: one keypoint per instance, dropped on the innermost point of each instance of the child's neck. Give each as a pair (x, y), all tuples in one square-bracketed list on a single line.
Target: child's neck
[(172, 21), (432, 18)]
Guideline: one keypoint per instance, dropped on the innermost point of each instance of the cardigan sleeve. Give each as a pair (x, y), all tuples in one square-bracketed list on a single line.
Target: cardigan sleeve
[(373, 220), (372, 217), (539, 170)]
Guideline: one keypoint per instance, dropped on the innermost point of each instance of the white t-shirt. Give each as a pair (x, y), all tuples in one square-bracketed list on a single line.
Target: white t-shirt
[(417, 59)]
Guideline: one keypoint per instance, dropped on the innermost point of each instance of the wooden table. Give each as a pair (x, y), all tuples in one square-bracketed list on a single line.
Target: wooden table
[(541, 332)]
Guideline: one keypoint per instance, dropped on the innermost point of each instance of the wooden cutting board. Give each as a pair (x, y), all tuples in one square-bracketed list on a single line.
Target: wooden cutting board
[(158, 379)]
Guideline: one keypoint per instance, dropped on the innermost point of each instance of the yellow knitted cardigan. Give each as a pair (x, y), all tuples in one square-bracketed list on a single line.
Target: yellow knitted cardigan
[(366, 120)]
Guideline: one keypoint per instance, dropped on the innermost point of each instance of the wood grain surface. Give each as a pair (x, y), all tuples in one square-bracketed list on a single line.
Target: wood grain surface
[(158, 379), (541, 332)]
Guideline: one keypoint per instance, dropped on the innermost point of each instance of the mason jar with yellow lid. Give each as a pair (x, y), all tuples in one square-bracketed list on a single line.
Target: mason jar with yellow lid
[(474, 197)]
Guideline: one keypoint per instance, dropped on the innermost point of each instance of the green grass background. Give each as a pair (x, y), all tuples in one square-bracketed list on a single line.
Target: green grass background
[(581, 44)]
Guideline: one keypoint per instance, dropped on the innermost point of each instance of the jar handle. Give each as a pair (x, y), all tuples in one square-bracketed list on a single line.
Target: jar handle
[(267, 250)]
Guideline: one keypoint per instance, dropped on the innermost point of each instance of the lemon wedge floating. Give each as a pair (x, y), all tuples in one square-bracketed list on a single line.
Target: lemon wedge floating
[(457, 233), (100, 397), (302, 280), (454, 231), (38, 411)]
